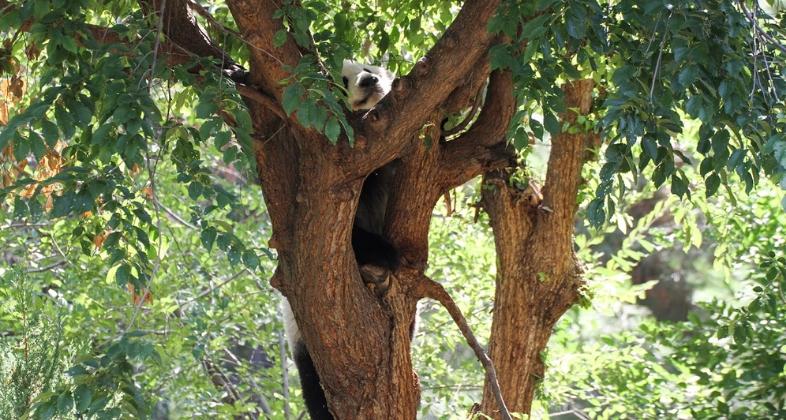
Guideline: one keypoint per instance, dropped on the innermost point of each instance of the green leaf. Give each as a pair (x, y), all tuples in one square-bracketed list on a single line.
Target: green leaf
[(64, 403), (123, 275), (83, 396), (279, 38), (51, 134), (291, 98), (535, 27), (739, 333), (207, 128), (688, 75), (69, 44), (576, 20), (37, 145), (551, 123), (537, 128), (206, 107), (194, 190), (332, 130), (208, 236), (83, 113), (712, 183), (64, 122), (99, 136), (650, 146), (251, 260)]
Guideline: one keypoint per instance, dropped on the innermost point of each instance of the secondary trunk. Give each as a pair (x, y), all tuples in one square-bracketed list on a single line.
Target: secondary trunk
[(538, 277)]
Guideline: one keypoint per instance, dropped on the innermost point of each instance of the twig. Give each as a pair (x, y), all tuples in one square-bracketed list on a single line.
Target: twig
[(46, 268), (433, 290), (157, 46), (257, 394), (24, 225), (173, 215), (753, 22), (151, 173), (660, 55), (755, 53), (212, 289), (572, 411), (769, 75), (264, 100), (201, 11), (219, 378), (57, 247)]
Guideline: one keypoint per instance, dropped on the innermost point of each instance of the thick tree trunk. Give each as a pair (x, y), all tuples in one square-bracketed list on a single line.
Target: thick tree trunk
[(360, 350), (358, 341), (538, 276)]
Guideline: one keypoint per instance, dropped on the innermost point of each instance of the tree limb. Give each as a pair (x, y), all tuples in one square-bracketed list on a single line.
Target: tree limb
[(462, 159), (268, 62), (392, 123), (433, 290), (567, 156), (181, 28)]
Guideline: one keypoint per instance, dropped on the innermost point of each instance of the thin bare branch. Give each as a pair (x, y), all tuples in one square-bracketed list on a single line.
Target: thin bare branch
[(201, 11), (182, 29), (753, 21), (282, 347), (174, 216), (433, 290), (213, 289), (47, 268), (262, 99)]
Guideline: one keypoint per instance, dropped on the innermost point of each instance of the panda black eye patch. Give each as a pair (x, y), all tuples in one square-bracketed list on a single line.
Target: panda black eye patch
[(346, 82)]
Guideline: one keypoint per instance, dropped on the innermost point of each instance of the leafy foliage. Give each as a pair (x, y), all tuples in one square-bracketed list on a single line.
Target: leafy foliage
[(31, 364)]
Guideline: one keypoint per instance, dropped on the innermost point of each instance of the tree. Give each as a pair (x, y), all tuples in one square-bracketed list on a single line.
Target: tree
[(631, 71)]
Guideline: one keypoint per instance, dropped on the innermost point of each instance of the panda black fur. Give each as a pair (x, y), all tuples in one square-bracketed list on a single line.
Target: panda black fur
[(366, 85)]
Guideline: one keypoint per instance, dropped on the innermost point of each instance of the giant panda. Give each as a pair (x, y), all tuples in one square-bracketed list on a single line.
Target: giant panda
[(366, 85)]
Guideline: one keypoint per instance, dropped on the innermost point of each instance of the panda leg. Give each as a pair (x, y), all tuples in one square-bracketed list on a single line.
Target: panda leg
[(313, 394)]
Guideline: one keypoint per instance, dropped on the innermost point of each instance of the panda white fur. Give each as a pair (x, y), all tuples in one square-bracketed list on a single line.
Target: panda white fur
[(365, 85)]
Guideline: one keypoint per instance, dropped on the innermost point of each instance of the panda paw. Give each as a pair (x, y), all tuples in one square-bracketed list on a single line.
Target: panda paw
[(376, 278)]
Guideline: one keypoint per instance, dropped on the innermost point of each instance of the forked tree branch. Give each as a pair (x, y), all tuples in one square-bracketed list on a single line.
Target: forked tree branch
[(478, 149), (433, 290), (393, 122)]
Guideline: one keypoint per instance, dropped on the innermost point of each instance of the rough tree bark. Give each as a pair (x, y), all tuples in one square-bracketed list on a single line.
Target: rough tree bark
[(538, 276)]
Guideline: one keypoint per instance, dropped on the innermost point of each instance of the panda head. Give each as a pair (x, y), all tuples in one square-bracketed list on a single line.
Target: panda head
[(366, 85)]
